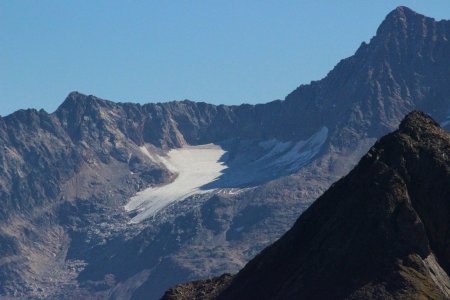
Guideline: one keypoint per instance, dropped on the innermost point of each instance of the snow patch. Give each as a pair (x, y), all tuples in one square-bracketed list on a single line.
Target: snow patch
[(159, 160), (144, 151), (445, 122), (276, 147), (302, 152), (195, 166)]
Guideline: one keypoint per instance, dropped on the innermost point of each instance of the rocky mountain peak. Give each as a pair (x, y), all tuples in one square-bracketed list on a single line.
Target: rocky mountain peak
[(75, 95), (401, 12), (73, 99), (81, 115), (385, 79), (76, 102), (398, 20), (417, 121), (77, 105)]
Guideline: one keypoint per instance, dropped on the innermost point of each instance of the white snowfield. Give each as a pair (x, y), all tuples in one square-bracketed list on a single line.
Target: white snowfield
[(201, 169), (195, 166)]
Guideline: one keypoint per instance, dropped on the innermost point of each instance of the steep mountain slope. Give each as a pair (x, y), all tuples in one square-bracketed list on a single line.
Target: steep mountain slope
[(381, 232), (67, 177)]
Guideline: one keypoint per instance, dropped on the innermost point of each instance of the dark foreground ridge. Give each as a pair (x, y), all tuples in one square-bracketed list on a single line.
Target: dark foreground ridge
[(381, 232)]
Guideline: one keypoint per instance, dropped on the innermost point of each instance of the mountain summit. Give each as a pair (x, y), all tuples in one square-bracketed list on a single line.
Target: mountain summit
[(381, 232)]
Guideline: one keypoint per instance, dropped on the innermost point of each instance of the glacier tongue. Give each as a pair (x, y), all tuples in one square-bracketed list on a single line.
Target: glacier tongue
[(195, 166), (206, 168)]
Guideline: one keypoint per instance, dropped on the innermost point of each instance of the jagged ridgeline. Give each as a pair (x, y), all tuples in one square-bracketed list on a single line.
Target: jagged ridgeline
[(381, 232), (98, 199)]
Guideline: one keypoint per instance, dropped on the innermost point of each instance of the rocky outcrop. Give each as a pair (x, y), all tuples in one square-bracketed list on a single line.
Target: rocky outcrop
[(199, 290)]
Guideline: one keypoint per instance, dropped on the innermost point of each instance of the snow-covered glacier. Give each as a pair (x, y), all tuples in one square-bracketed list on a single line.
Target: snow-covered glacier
[(207, 168), (195, 166)]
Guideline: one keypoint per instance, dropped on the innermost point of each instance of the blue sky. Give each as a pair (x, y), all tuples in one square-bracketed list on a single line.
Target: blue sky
[(227, 52)]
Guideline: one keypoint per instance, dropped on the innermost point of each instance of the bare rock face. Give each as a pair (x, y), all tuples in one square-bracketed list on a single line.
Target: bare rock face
[(380, 232), (66, 176)]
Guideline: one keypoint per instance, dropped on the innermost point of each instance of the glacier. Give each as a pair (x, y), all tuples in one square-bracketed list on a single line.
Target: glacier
[(195, 166), (208, 168)]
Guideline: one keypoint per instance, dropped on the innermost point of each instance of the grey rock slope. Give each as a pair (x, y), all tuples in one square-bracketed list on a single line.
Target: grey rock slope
[(65, 176)]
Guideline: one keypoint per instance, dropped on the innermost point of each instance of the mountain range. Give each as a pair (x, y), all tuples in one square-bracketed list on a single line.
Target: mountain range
[(121, 200)]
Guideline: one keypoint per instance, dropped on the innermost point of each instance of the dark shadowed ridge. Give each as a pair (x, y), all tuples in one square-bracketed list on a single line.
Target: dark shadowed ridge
[(376, 233)]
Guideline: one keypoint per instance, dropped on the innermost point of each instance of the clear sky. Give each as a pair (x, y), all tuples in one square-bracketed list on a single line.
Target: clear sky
[(222, 51)]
